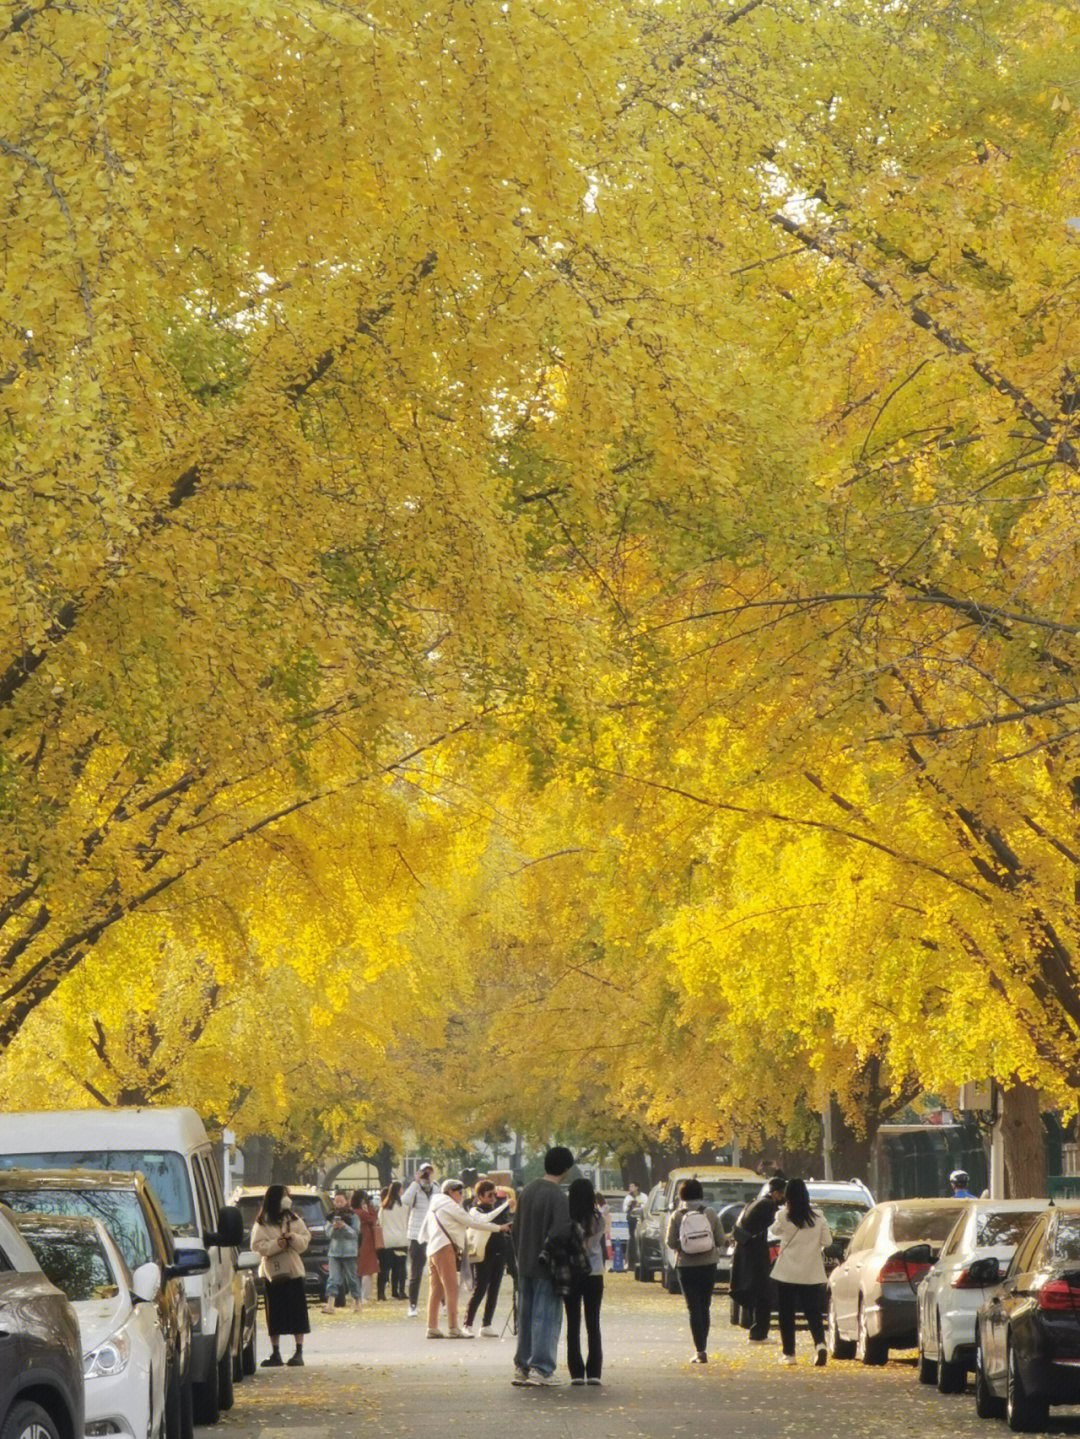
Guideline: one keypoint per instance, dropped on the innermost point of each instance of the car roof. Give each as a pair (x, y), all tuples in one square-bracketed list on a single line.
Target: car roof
[(165, 1128), (1006, 1206), (62, 1224), (712, 1171), (256, 1191), (115, 1179), (942, 1203)]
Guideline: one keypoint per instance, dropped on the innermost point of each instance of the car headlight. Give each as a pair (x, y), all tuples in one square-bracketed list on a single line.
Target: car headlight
[(108, 1358)]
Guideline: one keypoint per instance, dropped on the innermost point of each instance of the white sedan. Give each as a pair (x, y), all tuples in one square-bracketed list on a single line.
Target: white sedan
[(124, 1351), (953, 1290)]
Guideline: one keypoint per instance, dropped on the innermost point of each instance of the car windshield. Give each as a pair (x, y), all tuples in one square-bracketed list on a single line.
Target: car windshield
[(118, 1209), (842, 1218), (76, 1264), (1007, 1228), (310, 1209), (164, 1171), (719, 1192), (248, 1206), (1067, 1238), (912, 1225)]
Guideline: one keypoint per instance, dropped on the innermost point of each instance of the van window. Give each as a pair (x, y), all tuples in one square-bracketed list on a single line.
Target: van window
[(164, 1171), (217, 1196), (206, 1212)]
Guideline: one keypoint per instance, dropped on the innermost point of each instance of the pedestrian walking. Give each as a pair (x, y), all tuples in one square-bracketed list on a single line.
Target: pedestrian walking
[(343, 1229), (695, 1234), (489, 1253), (279, 1237), (799, 1269), (542, 1212), (367, 1257), (751, 1285), (394, 1231), (415, 1200), (445, 1233), (632, 1207), (586, 1290)]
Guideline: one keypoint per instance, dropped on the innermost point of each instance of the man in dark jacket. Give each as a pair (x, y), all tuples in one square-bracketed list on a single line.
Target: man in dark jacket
[(542, 1211), (750, 1284)]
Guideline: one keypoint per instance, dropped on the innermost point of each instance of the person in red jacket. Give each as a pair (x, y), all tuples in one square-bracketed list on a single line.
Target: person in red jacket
[(367, 1258)]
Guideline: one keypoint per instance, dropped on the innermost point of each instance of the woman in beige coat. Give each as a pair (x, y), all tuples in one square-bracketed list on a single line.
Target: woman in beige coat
[(279, 1237)]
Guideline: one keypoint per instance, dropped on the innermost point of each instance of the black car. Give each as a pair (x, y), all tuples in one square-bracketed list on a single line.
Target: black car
[(1027, 1334), (129, 1210), (41, 1363)]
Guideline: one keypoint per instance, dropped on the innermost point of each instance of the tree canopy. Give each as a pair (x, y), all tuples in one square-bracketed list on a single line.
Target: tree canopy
[(439, 437)]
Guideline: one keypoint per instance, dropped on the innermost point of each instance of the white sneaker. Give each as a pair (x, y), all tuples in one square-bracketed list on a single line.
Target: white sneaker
[(521, 1377), (543, 1381), (787, 1359), (489, 1333), (413, 1311)]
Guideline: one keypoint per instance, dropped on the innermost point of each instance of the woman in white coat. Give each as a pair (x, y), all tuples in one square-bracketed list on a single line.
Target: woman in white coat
[(799, 1269), (444, 1231)]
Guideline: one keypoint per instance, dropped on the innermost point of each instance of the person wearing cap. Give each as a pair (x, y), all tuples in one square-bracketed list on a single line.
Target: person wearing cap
[(543, 1212), (444, 1233), (415, 1202), (958, 1183)]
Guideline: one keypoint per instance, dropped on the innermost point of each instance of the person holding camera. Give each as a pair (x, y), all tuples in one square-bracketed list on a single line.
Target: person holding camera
[(489, 1253), (344, 1232)]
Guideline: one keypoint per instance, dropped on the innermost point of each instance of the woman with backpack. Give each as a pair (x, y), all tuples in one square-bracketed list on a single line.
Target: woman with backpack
[(586, 1289), (695, 1234), (799, 1269)]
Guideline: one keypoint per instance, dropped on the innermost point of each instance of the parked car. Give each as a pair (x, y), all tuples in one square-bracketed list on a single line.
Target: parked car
[(170, 1148), (871, 1294), (650, 1238), (41, 1366), (124, 1353), (724, 1185), (843, 1203), (313, 1206), (127, 1207), (620, 1228), (1027, 1333), (952, 1292)]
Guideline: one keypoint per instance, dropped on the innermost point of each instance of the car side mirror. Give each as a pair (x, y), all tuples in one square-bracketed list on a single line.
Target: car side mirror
[(230, 1230), (918, 1254), (146, 1283), (188, 1261), (984, 1272)]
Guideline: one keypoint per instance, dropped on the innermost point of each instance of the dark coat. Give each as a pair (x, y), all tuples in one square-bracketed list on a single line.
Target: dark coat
[(750, 1261)]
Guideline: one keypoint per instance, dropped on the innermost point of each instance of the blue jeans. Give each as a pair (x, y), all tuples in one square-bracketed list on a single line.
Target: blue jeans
[(343, 1275), (539, 1323)]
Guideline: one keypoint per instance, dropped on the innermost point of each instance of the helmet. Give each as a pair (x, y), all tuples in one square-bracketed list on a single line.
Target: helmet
[(959, 1177)]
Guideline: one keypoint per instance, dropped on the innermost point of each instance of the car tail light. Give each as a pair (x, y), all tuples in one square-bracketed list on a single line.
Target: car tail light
[(1058, 1295), (896, 1268)]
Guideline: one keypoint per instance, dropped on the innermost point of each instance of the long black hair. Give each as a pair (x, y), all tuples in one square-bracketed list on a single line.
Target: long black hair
[(581, 1197), (270, 1211), (797, 1199)]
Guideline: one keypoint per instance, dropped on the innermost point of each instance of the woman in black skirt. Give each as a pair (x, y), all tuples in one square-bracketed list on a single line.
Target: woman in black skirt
[(280, 1237)]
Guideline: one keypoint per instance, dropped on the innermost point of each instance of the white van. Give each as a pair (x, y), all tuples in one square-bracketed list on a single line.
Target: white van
[(171, 1149)]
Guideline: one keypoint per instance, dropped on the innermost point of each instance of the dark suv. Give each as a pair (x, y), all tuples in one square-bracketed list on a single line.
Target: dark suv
[(127, 1207), (313, 1206), (41, 1370)]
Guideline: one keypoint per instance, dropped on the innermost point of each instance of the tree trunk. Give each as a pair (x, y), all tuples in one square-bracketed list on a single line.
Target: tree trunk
[(1025, 1148)]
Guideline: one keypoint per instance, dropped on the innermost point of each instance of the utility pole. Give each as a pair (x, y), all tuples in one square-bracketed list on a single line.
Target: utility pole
[(826, 1136), (997, 1143)]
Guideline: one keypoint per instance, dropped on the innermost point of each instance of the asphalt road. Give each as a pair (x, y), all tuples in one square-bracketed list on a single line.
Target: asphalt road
[(375, 1375)]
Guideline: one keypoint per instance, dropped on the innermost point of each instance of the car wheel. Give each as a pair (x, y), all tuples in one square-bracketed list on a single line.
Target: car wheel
[(869, 1349), (205, 1395), (1024, 1412), (172, 1408), (28, 1420), (987, 1403), (187, 1406), (735, 1311), (248, 1353), (926, 1369), (838, 1348), (648, 1274), (950, 1374), (225, 1381), (671, 1281)]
